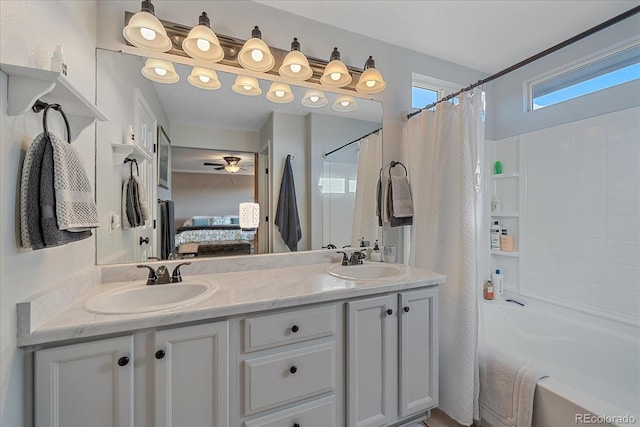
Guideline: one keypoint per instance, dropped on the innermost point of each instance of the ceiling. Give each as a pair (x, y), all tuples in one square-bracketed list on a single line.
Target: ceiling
[(486, 35), (191, 160)]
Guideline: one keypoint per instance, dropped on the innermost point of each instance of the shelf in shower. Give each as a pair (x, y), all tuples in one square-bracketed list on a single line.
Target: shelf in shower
[(507, 254), (505, 214), (505, 175)]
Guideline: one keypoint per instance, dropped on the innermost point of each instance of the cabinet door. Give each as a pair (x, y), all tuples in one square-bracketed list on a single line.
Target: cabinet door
[(88, 384), (192, 376), (372, 338), (418, 386)]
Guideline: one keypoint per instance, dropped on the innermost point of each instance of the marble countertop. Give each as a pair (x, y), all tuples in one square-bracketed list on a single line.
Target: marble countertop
[(239, 292)]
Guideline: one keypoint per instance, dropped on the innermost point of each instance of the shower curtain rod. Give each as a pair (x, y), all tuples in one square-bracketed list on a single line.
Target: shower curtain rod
[(352, 142), (535, 57)]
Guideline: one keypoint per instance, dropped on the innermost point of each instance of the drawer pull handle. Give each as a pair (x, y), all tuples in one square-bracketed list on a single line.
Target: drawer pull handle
[(296, 425), (123, 361), (295, 328), (406, 309), (389, 312), (293, 369), (160, 354)]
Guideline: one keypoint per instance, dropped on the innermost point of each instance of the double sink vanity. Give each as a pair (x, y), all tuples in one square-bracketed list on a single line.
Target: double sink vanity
[(264, 341)]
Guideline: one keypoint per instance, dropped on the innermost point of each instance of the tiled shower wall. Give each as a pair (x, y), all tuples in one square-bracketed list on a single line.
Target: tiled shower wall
[(582, 214)]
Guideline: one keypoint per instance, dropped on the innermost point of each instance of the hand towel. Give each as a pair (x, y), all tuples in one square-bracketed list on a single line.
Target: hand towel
[(287, 218), (395, 221), (379, 200), (51, 233), (142, 199), (167, 229), (74, 202), (507, 389), (131, 211), (25, 192), (402, 203)]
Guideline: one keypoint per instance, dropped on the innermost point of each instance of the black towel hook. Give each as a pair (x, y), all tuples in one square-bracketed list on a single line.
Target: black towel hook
[(43, 106), (393, 164), (132, 161)]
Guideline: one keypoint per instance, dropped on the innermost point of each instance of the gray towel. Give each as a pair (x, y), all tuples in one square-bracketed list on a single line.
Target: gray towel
[(379, 200), (51, 234), (287, 218), (167, 229), (402, 202), (131, 210), (393, 220), (30, 192)]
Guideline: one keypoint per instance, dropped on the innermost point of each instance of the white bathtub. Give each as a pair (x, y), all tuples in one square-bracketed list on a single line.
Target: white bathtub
[(593, 364)]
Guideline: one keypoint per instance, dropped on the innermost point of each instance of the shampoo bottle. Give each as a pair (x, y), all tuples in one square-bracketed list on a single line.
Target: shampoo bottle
[(376, 255), (496, 232), (498, 285), (487, 290)]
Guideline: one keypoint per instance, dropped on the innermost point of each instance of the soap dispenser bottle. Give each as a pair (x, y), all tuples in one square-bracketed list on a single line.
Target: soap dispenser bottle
[(498, 285), (376, 255)]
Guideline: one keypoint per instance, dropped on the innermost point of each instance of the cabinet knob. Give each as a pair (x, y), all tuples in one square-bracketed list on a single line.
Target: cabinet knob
[(406, 309), (123, 361), (295, 328), (293, 369), (160, 354), (296, 425), (389, 312)]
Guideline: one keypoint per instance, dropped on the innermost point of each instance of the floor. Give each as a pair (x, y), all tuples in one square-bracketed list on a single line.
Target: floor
[(440, 419)]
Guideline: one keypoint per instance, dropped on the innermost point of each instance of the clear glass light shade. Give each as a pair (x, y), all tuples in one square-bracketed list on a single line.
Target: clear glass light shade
[(371, 82), (295, 66), (256, 56), (344, 103), (314, 98), (202, 43), (160, 71), (335, 74), (280, 93), (246, 85), (204, 78), (145, 31), (232, 168)]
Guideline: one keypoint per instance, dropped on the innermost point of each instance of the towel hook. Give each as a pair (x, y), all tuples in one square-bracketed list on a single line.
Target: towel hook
[(43, 106), (393, 164), (132, 161)]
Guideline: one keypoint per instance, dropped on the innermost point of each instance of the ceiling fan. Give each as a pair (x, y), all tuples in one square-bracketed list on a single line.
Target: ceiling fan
[(231, 166)]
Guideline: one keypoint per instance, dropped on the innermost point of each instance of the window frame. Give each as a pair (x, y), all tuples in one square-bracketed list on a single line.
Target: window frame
[(441, 87)]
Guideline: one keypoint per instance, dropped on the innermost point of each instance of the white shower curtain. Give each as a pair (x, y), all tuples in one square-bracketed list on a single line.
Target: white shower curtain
[(443, 149), (365, 221)]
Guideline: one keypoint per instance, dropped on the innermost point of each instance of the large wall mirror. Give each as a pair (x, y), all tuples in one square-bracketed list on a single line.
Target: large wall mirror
[(199, 154)]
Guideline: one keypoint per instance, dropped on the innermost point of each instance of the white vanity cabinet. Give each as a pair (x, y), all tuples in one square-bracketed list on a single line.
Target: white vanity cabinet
[(87, 384), (191, 369), (392, 350)]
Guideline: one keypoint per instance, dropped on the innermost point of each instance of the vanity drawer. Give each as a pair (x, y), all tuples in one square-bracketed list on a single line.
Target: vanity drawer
[(274, 330), (319, 413), (286, 377)]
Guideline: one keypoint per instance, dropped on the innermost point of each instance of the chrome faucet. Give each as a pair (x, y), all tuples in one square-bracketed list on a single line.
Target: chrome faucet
[(355, 259), (161, 275)]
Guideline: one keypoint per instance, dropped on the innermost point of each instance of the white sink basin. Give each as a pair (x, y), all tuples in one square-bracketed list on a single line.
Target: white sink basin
[(140, 298), (368, 271)]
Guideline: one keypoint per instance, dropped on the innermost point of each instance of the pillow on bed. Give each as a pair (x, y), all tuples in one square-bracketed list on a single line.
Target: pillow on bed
[(200, 221)]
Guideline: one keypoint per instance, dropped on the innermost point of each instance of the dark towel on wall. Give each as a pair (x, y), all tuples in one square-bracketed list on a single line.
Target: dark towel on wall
[(379, 200), (167, 229), (287, 218), (32, 209)]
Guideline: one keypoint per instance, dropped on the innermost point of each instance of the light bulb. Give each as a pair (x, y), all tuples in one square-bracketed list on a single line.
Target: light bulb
[(160, 71), (335, 76), (147, 33), (257, 55), (314, 98), (344, 103), (203, 78), (246, 87), (370, 83), (295, 68), (279, 93), (203, 45)]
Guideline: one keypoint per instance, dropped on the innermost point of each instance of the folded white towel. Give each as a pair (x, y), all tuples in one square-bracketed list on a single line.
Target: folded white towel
[(75, 205), (507, 388), (402, 202)]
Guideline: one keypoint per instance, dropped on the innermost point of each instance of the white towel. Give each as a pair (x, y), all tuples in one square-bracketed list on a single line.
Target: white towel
[(507, 389), (75, 205), (402, 202)]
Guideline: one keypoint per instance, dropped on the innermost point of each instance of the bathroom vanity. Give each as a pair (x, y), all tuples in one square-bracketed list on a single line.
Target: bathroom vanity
[(288, 346)]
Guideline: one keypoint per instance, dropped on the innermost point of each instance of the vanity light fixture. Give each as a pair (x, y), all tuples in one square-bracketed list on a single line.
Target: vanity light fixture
[(145, 31), (232, 168), (280, 93), (255, 54), (202, 43), (160, 71), (371, 80), (204, 78), (246, 85), (335, 73), (314, 98), (295, 65), (344, 103)]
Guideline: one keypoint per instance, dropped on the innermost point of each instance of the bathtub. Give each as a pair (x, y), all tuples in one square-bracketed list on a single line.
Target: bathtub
[(593, 364)]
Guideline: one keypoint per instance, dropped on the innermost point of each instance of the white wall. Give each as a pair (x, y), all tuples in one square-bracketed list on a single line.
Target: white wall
[(209, 194), (213, 138), (29, 33)]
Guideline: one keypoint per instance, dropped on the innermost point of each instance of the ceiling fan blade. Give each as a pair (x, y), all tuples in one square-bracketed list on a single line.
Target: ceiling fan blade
[(219, 168), (213, 164)]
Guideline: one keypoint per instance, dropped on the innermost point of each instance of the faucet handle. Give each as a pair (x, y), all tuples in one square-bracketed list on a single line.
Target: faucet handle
[(357, 257), (345, 257), (152, 279), (176, 277)]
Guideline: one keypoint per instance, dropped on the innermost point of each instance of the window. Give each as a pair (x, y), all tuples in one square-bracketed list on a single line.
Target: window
[(597, 73), (427, 90)]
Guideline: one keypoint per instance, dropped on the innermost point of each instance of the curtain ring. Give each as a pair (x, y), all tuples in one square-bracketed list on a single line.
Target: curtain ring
[(58, 108)]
